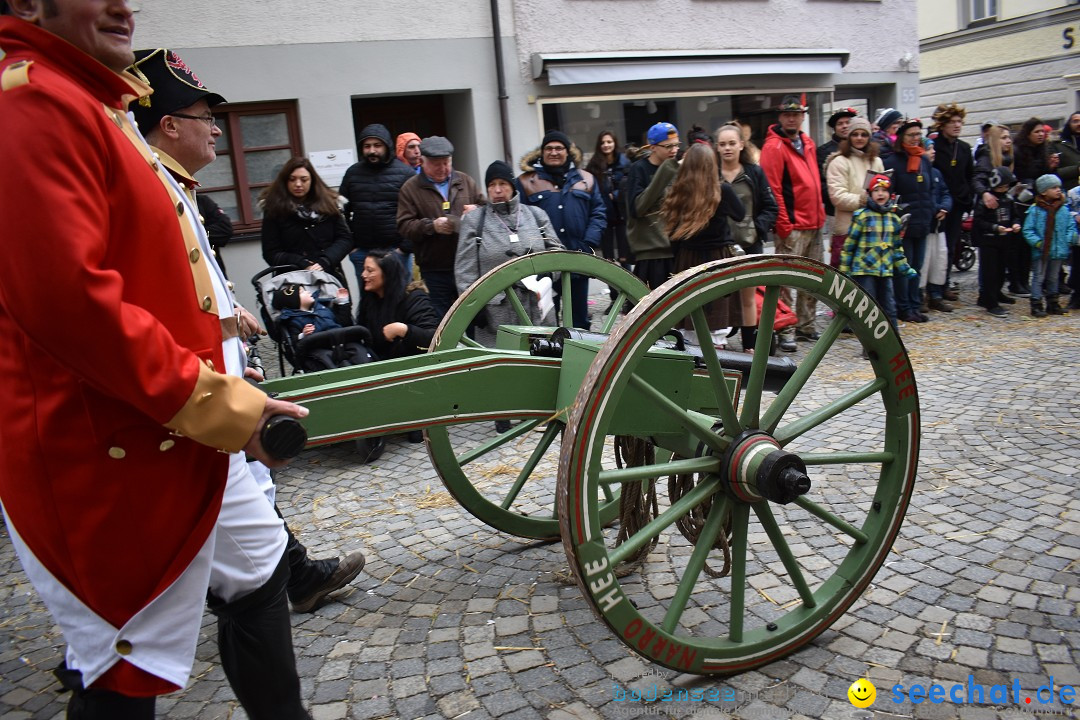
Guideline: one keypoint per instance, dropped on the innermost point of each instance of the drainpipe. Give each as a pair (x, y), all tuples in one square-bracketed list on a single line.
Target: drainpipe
[(500, 78)]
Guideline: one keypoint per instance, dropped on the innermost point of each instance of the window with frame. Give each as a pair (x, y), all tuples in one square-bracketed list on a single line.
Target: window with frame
[(256, 141), (978, 11)]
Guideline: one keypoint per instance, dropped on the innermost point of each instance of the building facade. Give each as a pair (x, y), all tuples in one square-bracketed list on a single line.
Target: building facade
[(302, 77), (1006, 60)]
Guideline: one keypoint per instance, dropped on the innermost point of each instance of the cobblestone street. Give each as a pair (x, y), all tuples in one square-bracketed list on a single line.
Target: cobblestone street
[(451, 619)]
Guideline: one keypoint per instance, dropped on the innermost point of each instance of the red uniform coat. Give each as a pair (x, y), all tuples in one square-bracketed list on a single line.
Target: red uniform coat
[(795, 180), (113, 410)]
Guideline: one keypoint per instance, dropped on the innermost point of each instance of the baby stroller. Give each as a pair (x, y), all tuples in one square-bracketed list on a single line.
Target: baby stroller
[(347, 345)]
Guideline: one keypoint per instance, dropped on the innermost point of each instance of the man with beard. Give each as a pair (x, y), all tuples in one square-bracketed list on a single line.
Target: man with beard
[(371, 188), (789, 160), (554, 181)]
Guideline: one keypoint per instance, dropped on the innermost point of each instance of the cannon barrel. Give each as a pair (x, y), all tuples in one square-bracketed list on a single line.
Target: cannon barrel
[(777, 370)]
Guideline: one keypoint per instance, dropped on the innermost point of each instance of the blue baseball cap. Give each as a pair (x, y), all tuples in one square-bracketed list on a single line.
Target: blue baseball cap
[(660, 132)]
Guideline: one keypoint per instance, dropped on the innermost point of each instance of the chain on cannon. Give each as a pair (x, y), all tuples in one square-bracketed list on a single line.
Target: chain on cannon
[(787, 482)]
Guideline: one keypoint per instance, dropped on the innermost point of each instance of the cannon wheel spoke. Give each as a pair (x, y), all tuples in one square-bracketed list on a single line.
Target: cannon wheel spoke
[(712, 620), (514, 492)]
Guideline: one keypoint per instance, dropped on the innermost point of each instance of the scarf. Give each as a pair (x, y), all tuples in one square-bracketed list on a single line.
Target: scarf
[(307, 214), (914, 160), (557, 172), (1051, 208)]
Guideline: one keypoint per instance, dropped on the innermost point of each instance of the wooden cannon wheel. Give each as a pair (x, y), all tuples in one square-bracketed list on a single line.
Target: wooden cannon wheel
[(515, 491), (799, 495)]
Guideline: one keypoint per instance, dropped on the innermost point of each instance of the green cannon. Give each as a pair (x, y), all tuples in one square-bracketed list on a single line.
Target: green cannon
[(656, 458)]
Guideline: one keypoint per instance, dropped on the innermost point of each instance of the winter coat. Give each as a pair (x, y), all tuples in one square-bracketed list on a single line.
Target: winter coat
[(646, 185), (763, 205), (984, 167), (1030, 162), (419, 203), (372, 195), (297, 241), (320, 315), (576, 209), (795, 179), (986, 222), (610, 181), (957, 166), (1064, 237), (824, 152), (1069, 168), (414, 310), (916, 191), (484, 247), (846, 179), (942, 199), (873, 244)]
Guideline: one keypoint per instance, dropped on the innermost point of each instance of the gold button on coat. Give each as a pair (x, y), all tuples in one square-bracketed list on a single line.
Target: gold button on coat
[(180, 208), (117, 453), (194, 255), (166, 445), (123, 647), (207, 303)]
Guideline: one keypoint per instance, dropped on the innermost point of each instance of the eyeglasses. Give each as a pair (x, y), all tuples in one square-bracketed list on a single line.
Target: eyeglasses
[(208, 119), (555, 149), (670, 146)]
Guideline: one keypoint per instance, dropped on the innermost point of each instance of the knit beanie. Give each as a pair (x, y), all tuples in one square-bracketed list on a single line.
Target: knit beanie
[(887, 117), (402, 140), (859, 123), (1045, 182), (556, 136), (499, 170), (287, 297)]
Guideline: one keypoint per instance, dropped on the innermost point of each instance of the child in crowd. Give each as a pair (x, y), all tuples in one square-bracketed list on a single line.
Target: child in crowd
[(1072, 201), (1050, 230), (994, 230), (873, 252), (304, 313)]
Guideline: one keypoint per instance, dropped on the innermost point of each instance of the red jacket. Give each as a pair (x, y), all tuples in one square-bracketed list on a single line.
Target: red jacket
[(113, 412), (795, 180)]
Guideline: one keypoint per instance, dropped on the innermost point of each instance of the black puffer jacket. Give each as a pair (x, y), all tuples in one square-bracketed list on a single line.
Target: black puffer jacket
[(372, 195), (296, 241)]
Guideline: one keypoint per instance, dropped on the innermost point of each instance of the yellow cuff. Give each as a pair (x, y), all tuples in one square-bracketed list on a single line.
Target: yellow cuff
[(222, 412)]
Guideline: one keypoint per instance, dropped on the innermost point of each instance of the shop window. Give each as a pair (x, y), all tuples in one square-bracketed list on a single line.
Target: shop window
[(257, 139)]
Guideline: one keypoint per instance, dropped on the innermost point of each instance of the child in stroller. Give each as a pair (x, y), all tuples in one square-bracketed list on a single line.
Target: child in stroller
[(309, 315)]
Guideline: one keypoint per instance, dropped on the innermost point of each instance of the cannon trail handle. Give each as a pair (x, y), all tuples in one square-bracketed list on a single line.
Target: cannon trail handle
[(283, 437)]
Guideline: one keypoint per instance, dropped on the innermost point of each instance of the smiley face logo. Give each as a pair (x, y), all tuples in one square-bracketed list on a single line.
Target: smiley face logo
[(862, 693)]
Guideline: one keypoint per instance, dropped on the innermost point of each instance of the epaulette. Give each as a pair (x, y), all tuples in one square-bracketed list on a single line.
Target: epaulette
[(15, 75)]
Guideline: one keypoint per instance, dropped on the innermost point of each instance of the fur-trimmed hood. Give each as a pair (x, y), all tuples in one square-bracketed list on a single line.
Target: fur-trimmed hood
[(529, 159)]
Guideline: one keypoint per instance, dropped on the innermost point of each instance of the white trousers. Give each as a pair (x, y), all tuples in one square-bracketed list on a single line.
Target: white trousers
[(238, 557)]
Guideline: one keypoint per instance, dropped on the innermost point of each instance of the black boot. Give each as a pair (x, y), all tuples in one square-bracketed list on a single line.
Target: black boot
[(255, 643), (1037, 309), (97, 704), (1052, 306)]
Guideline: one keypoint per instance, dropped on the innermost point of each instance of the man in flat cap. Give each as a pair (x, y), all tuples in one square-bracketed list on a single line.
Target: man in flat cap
[(430, 206), (123, 477)]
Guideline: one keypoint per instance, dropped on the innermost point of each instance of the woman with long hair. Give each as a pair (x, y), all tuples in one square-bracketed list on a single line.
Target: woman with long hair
[(609, 167), (302, 224), (695, 214), (997, 152), (751, 187), (1031, 160), (845, 177)]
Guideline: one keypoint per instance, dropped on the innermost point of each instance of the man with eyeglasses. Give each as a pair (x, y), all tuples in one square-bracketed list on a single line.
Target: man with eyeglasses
[(647, 182), (126, 433), (554, 181), (789, 159)]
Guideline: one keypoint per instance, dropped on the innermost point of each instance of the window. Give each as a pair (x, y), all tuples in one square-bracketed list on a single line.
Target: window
[(257, 139), (978, 11)]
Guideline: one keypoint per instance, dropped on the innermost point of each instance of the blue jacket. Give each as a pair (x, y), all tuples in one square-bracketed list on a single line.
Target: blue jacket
[(576, 207), (916, 191), (1065, 232), (321, 316), (942, 199)]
